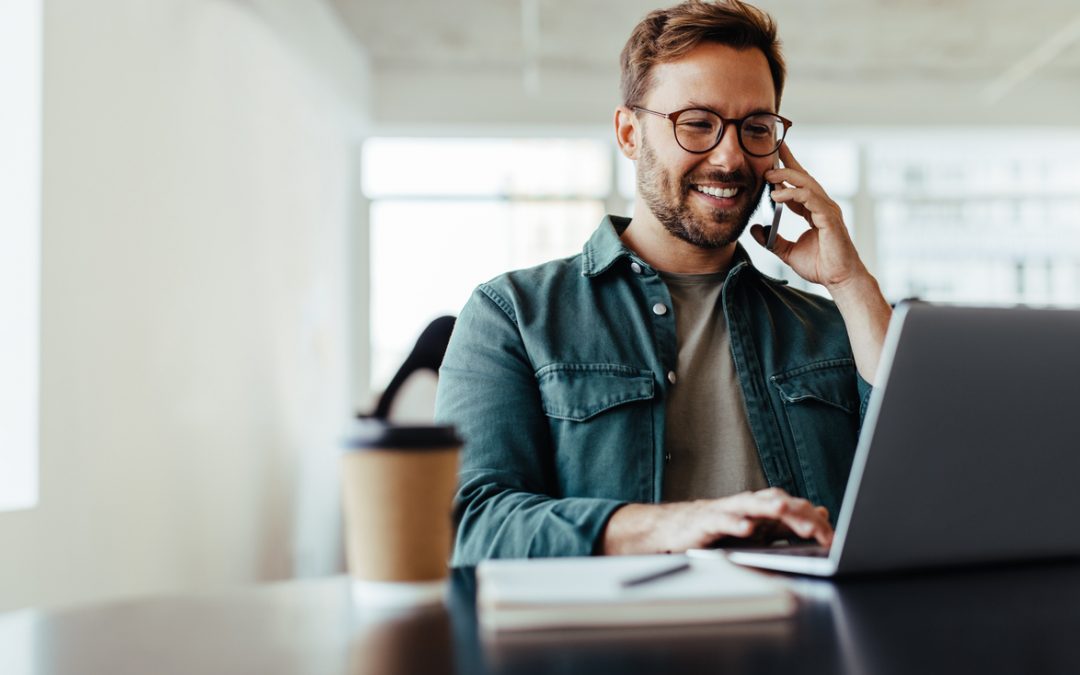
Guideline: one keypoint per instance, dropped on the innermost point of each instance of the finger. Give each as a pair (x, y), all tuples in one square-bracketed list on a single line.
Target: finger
[(797, 515), (804, 509), (754, 505), (818, 211), (796, 177), (781, 247), (767, 504), (807, 521), (801, 196), (809, 528), (774, 492), (759, 233), (786, 179), (789, 159), (730, 524), (822, 533)]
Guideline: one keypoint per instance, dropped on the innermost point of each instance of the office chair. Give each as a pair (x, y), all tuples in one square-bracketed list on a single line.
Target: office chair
[(427, 354)]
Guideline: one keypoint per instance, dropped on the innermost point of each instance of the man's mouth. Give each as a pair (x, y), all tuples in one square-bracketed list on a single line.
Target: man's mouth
[(718, 192)]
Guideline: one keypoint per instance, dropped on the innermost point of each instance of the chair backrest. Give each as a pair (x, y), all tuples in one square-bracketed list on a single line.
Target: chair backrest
[(427, 354)]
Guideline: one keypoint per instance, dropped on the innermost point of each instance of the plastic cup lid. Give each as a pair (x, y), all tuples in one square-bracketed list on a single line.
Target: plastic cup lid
[(373, 434)]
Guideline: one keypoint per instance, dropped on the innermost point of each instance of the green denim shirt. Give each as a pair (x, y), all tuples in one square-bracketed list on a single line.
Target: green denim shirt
[(556, 377)]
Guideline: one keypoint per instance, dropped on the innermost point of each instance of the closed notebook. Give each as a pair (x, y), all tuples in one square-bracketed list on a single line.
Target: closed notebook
[(581, 592)]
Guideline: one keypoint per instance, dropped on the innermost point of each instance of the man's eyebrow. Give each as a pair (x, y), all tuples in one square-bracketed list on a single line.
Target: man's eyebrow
[(697, 104)]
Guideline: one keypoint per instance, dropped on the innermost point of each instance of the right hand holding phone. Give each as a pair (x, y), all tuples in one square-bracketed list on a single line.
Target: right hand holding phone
[(824, 254)]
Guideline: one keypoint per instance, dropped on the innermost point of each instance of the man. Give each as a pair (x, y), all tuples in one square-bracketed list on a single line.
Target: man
[(656, 392)]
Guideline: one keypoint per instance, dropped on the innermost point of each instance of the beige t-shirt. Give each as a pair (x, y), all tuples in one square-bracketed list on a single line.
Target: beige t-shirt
[(712, 452)]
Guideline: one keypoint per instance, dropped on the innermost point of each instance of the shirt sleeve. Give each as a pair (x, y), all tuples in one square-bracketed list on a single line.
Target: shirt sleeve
[(865, 389), (506, 504)]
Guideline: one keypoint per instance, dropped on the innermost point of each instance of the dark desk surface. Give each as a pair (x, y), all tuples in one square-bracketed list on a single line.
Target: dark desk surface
[(1002, 620)]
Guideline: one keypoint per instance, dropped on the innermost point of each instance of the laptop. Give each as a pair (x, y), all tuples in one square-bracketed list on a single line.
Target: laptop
[(970, 448)]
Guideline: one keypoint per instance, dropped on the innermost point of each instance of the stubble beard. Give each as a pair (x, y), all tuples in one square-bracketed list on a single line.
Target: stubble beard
[(672, 208)]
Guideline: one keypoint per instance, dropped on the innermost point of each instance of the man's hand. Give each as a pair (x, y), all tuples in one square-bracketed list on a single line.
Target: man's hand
[(824, 254), (676, 527)]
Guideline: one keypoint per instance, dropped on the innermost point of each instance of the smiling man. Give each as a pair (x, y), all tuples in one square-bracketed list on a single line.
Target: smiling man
[(656, 392)]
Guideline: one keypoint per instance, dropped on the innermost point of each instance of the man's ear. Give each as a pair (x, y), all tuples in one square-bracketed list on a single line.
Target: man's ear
[(627, 133)]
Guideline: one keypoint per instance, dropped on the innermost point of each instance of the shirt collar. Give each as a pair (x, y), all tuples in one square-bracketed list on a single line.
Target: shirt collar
[(605, 248)]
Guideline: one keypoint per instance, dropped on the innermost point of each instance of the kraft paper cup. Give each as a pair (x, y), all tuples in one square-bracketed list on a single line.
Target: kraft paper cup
[(398, 485)]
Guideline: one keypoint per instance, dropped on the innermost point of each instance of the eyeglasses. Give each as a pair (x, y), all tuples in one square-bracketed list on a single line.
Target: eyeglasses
[(698, 130)]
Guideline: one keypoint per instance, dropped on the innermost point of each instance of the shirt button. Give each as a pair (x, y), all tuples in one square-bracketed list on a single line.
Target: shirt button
[(671, 376), (635, 267), (659, 309), (667, 457)]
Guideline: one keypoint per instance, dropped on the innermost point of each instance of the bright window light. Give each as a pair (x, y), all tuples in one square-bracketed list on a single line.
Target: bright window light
[(972, 216), (20, 261), (428, 256), (986, 218), (487, 167)]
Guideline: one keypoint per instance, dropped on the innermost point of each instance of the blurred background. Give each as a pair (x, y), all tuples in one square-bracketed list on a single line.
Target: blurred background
[(223, 224)]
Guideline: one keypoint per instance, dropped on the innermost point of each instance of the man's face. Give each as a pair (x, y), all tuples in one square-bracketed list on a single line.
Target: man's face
[(670, 180)]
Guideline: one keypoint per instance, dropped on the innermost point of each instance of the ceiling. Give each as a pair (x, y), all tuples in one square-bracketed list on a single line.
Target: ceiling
[(1006, 54)]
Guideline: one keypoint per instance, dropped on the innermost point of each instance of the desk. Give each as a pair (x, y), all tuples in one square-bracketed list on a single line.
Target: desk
[(1003, 620)]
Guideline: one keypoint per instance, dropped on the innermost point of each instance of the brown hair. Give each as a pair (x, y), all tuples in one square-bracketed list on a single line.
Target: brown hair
[(667, 34)]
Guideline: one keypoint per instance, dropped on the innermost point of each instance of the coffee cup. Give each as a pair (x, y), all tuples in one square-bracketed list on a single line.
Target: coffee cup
[(398, 485)]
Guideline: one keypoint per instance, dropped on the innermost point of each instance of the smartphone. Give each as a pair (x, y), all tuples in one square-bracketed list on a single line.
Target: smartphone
[(771, 241)]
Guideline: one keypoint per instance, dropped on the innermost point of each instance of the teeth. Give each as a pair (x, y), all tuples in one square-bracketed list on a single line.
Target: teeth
[(725, 193)]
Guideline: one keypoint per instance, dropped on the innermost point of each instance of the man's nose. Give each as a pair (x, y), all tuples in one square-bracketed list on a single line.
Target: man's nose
[(728, 154)]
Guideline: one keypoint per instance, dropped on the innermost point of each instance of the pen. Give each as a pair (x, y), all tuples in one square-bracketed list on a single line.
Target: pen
[(652, 576)]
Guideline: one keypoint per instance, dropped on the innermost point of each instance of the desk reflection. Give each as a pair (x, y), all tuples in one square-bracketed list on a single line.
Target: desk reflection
[(419, 641), (1010, 619), (1019, 619)]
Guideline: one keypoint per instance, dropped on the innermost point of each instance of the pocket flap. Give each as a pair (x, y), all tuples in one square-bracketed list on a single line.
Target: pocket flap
[(831, 382), (578, 391)]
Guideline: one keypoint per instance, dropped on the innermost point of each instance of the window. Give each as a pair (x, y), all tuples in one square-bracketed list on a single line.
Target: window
[(946, 215), (979, 218), (449, 214), (20, 233)]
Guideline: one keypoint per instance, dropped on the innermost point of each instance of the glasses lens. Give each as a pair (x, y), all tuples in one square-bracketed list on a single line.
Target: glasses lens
[(697, 130), (762, 134)]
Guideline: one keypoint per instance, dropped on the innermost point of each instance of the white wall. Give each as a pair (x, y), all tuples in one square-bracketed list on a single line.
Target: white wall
[(199, 163)]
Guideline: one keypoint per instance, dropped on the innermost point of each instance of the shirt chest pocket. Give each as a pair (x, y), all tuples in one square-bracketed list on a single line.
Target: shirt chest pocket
[(601, 421), (580, 391), (821, 406)]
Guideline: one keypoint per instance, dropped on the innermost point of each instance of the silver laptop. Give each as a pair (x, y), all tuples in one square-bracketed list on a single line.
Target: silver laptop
[(970, 449)]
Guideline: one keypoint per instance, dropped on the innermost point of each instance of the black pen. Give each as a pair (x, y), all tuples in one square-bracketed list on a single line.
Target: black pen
[(651, 576)]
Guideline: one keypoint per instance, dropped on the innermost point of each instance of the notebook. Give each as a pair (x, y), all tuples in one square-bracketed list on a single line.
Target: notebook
[(552, 593)]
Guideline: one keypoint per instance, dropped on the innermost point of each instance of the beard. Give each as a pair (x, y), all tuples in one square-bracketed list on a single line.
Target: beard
[(670, 203)]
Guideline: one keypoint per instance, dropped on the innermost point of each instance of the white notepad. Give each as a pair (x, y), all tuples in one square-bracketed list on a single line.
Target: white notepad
[(580, 592)]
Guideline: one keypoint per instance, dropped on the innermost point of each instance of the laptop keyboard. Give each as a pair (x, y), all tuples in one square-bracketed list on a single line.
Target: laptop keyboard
[(808, 552), (800, 551)]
